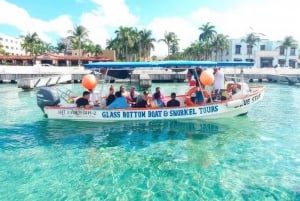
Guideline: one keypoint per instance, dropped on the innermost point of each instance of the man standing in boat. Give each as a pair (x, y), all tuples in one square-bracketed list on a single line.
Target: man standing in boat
[(218, 85)]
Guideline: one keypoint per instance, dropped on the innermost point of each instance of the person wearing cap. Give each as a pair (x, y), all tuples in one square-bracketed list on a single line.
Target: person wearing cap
[(143, 100), (84, 100), (173, 102)]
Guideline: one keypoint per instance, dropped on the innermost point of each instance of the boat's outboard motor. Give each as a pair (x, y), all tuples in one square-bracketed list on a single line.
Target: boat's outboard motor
[(47, 96)]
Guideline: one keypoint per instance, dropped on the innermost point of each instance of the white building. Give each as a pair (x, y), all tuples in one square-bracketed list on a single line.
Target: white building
[(11, 45), (266, 53)]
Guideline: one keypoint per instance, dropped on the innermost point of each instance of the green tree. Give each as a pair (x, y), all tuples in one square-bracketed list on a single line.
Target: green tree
[(288, 42), (171, 40), (31, 43), (2, 50), (251, 40), (64, 45), (208, 32), (131, 44), (206, 36), (95, 50), (220, 44), (146, 43), (79, 35)]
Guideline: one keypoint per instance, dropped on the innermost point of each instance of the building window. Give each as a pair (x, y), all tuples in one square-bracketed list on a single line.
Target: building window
[(293, 51), (292, 63), (249, 49), (281, 51), (237, 59), (237, 49), (263, 47)]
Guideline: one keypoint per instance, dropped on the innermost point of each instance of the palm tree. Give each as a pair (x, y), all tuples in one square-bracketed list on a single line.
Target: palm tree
[(64, 45), (288, 42), (79, 35), (251, 40), (30, 43), (126, 41), (146, 43), (208, 32), (207, 36), (220, 43), (196, 51), (95, 50), (171, 40), (98, 50)]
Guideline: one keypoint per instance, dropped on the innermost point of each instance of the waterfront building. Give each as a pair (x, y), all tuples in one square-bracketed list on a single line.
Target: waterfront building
[(49, 59), (11, 45), (265, 53)]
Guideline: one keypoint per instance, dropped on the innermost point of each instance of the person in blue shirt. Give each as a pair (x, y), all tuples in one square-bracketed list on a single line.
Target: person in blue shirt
[(119, 102)]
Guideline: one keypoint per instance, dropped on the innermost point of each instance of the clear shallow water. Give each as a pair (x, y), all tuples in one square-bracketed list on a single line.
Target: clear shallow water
[(253, 157)]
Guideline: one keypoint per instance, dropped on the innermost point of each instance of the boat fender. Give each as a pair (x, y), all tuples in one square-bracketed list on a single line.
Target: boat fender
[(188, 99)]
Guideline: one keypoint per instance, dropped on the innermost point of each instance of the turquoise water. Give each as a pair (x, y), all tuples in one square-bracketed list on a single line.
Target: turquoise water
[(253, 157)]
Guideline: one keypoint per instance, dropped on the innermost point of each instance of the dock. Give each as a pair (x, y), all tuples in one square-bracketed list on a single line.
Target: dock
[(31, 83)]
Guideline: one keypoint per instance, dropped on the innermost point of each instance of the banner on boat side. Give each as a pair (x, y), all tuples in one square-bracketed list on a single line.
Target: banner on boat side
[(137, 114)]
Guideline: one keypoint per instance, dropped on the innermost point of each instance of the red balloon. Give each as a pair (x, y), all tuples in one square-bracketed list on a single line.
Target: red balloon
[(206, 78), (89, 81)]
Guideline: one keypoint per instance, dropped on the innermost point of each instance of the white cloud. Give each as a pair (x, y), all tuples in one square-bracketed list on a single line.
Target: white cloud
[(18, 17), (109, 15), (275, 19), (185, 31)]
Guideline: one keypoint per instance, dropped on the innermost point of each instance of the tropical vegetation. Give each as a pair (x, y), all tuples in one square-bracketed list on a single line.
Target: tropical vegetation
[(132, 44), (2, 50), (288, 42)]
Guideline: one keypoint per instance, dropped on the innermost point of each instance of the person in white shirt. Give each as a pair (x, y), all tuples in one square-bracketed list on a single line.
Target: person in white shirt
[(218, 85), (94, 97)]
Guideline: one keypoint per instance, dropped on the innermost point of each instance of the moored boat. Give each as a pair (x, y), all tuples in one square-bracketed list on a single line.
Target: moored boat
[(237, 104)]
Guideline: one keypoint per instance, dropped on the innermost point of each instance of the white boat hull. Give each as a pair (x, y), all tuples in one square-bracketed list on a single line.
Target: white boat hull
[(223, 109)]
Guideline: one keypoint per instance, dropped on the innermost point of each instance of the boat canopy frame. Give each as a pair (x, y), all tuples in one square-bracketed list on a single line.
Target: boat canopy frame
[(165, 64)]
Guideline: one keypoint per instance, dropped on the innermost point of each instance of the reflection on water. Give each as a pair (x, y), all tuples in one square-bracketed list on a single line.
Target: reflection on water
[(130, 135)]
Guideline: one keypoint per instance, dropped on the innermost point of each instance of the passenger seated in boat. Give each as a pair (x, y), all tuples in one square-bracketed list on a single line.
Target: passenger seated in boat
[(232, 89), (173, 102), (132, 97), (158, 98), (119, 102), (199, 98), (143, 100), (123, 91), (111, 96), (83, 102), (94, 97)]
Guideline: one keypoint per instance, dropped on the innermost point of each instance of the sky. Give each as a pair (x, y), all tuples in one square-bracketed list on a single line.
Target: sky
[(51, 19)]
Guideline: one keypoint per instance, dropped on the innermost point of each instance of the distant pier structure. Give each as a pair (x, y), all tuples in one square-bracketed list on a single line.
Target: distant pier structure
[(145, 78), (275, 75)]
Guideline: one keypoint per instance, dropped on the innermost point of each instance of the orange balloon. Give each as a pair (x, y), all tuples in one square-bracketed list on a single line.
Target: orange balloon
[(206, 78), (89, 81)]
